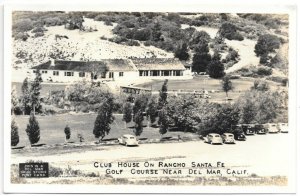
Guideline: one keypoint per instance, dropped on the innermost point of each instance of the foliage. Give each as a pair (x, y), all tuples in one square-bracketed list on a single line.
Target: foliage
[(152, 110), (35, 92), (127, 112), (201, 58), (182, 112), (14, 133), (216, 68), (199, 37), (163, 95), (25, 98), (104, 119), (226, 84), (14, 100), (265, 45), (33, 130), (181, 52), (229, 31), (260, 85), (138, 119), (164, 122), (67, 131)]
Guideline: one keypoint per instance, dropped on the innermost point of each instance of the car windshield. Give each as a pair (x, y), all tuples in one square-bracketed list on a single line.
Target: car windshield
[(131, 137), (217, 136)]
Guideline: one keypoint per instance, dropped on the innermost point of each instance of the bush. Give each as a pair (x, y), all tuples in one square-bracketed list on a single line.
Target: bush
[(39, 34), (262, 71), (21, 36), (38, 29), (142, 35), (229, 31), (132, 43)]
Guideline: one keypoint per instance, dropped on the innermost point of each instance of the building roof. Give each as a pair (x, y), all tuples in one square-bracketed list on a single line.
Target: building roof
[(73, 66), (158, 64), (119, 65), (114, 65)]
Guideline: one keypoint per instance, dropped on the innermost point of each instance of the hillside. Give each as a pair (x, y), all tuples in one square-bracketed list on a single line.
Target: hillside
[(126, 35)]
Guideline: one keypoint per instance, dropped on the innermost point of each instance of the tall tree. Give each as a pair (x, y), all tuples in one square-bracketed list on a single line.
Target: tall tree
[(33, 130), (25, 98), (152, 110), (104, 119), (127, 113), (216, 68), (181, 52), (163, 95), (226, 85), (265, 45), (201, 57), (35, 92), (164, 122), (138, 119), (14, 100), (67, 131), (14, 133)]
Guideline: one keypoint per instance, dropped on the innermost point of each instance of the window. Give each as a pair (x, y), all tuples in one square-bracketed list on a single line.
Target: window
[(55, 73), (145, 73), (34, 71), (121, 74), (44, 71), (166, 73), (111, 75), (141, 73), (81, 74), (69, 73), (103, 75), (154, 73), (177, 73)]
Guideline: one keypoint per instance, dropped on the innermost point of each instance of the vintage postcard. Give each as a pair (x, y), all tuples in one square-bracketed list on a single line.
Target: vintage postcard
[(149, 99)]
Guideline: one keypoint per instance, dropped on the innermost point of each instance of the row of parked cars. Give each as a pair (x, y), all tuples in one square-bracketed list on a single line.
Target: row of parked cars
[(239, 132)]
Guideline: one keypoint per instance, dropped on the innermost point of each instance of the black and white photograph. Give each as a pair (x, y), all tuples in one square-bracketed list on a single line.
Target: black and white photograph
[(150, 98)]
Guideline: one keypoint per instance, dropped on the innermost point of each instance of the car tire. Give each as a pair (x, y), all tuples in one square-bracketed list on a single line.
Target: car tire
[(126, 144)]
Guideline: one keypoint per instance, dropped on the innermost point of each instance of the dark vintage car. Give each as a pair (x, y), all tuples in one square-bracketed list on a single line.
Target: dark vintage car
[(248, 129), (260, 129), (238, 133)]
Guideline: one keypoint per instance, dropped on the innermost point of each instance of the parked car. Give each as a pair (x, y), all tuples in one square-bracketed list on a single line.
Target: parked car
[(213, 138), (260, 129), (128, 140), (272, 128), (283, 127), (228, 138), (238, 133), (248, 129)]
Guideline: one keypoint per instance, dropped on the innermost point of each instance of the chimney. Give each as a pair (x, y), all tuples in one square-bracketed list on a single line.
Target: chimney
[(52, 62)]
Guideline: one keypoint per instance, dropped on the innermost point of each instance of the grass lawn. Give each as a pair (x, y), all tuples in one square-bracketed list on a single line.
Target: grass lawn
[(205, 83), (45, 88), (52, 129)]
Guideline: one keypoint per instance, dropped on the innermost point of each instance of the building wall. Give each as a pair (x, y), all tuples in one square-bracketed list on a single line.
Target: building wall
[(48, 76)]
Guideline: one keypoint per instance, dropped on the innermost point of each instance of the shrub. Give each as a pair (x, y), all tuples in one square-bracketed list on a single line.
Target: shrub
[(262, 71), (14, 133), (142, 35), (67, 131), (132, 43), (39, 34), (33, 130), (21, 36), (229, 31)]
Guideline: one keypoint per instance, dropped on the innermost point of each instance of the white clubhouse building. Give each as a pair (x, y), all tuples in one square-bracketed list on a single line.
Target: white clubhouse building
[(113, 69)]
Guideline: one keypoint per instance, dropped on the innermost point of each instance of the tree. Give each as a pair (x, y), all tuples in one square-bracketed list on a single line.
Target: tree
[(226, 85), (35, 92), (199, 37), (163, 95), (67, 131), (14, 100), (265, 45), (201, 58), (14, 133), (181, 52), (216, 68), (138, 119), (127, 113), (104, 119), (25, 98), (152, 110), (164, 123), (229, 31), (260, 85), (33, 130)]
